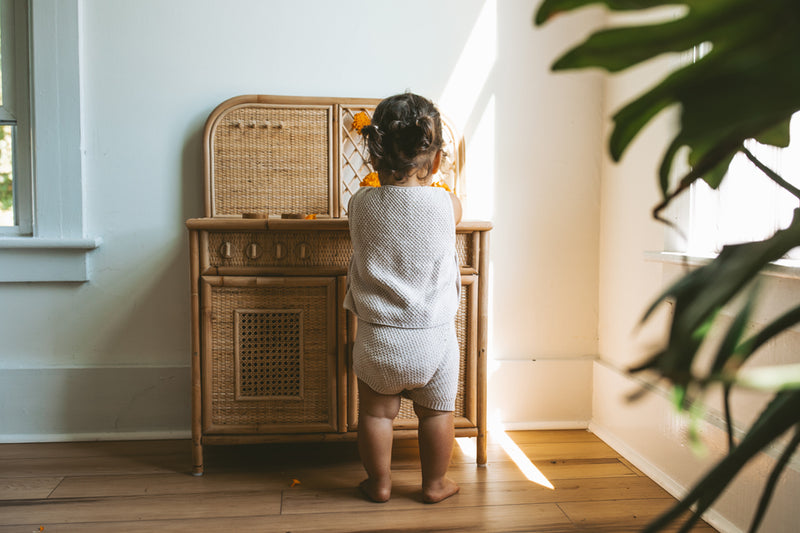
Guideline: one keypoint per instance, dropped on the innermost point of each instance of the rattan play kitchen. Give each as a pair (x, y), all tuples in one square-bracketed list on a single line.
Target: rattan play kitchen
[(270, 339)]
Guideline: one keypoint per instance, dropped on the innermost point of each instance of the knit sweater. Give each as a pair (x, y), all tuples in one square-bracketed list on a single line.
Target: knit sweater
[(404, 270)]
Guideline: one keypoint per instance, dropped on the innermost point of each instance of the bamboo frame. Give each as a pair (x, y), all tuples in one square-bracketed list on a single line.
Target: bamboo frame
[(471, 284), (352, 381), (483, 320), (197, 440), (341, 360), (287, 224), (234, 439)]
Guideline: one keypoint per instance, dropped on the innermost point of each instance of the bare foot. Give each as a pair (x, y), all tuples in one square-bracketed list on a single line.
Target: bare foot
[(439, 491), (374, 491)]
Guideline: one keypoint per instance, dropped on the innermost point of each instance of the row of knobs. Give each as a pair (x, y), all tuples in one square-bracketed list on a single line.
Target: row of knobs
[(254, 250)]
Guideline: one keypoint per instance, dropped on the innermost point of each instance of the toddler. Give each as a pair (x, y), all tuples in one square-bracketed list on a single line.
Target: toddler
[(403, 285)]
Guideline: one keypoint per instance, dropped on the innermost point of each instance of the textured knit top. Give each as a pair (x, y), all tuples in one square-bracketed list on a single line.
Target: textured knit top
[(404, 270)]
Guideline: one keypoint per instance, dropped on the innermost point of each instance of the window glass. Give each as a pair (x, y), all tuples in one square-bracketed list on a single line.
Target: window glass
[(748, 206)]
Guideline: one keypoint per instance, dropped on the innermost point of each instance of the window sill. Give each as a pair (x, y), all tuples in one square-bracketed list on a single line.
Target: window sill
[(31, 259), (785, 268)]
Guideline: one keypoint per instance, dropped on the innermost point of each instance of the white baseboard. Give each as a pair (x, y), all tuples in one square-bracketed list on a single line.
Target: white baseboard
[(94, 403), (545, 425), (677, 490), (541, 393), (90, 437)]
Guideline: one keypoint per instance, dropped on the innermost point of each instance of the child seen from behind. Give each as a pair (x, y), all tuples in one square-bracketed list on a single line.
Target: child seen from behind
[(403, 285)]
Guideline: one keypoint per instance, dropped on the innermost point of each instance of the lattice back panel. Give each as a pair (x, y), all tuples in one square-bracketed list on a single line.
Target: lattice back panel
[(269, 354), (354, 157)]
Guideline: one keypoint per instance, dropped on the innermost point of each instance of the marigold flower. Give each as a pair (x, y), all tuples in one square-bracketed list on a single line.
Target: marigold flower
[(441, 184), (371, 180), (360, 120), (311, 217)]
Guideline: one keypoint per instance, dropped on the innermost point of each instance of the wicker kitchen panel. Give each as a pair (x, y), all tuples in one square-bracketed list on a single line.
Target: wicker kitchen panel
[(269, 356), (270, 159), (234, 249), (280, 249), (466, 249)]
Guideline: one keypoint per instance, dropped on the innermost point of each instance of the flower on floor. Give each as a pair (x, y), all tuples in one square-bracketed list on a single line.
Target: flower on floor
[(294, 483)]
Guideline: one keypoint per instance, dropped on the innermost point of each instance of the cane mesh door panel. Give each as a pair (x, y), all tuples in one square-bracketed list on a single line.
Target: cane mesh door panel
[(268, 353), (269, 356)]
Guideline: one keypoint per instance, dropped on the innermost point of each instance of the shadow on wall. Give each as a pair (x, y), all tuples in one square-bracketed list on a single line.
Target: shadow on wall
[(148, 327)]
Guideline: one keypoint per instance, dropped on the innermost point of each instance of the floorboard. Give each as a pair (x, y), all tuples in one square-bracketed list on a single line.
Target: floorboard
[(146, 486)]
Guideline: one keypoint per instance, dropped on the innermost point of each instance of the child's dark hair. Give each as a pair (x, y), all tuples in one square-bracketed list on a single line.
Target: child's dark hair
[(404, 137)]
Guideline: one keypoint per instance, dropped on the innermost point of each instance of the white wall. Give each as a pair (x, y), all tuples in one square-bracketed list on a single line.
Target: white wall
[(649, 432), (110, 358)]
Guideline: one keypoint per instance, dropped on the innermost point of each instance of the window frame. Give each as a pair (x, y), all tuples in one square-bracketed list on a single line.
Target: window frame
[(56, 248), (15, 111)]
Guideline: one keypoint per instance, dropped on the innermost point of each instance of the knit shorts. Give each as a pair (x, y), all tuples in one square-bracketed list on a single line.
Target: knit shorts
[(421, 363)]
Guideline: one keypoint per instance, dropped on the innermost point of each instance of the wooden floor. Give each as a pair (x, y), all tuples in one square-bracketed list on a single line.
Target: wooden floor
[(145, 486)]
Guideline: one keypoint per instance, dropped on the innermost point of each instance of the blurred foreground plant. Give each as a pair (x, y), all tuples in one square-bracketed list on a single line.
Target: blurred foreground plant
[(746, 87)]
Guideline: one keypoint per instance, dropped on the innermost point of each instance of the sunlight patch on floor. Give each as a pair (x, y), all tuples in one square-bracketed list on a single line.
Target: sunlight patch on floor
[(498, 434)]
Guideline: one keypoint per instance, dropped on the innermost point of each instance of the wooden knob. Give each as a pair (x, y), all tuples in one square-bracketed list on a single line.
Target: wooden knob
[(279, 251), (253, 250), (226, 250), (303, 250)]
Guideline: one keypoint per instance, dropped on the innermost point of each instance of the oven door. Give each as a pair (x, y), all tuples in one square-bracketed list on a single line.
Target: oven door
[(268, 354)]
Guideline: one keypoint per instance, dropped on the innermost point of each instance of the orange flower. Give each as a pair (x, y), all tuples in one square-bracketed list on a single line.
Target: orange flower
[(371, 180), (311, 217), (441, 184), (360, 120)]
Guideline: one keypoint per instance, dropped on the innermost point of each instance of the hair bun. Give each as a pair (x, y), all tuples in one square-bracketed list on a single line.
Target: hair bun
[(405, 135)]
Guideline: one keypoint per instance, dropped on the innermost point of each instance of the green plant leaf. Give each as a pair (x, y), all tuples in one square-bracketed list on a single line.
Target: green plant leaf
[(619, 48), (699, 295), (778, 417), (550, 8), (665, 169), (751, 71), (777, 136), (769, 488), (733, 335), (717, 172), (753, 343)]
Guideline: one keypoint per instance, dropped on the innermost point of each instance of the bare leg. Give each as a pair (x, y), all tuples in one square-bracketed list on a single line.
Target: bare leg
[(436, 437), (375, 433)]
